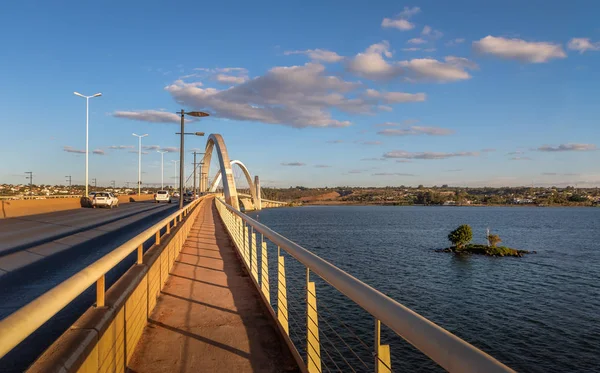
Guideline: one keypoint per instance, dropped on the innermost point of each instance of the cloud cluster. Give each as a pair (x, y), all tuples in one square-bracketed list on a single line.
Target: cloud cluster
[(319, 55), (427, 155), (121, 147), (168, 149), (99, 152), (583, 44), (374, 63), (293, 164), (223, 75), (154, 116), (518, 49), (416, 130), (298, 96), (401, 21), (567, 148), (520, 159)]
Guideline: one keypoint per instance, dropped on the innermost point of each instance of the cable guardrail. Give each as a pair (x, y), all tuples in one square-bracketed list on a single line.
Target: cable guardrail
[(26, 320), (444, 348)]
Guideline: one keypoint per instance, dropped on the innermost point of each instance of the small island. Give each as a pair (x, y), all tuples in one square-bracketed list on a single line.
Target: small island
[(462, 236)]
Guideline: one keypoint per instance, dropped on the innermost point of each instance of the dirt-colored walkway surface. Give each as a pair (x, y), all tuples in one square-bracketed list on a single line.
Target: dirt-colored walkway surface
[(208, 318)]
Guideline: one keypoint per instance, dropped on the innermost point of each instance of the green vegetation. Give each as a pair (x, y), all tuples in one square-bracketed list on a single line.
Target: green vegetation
[(440, 195), (494, 239), (461, 236), (486, 250)]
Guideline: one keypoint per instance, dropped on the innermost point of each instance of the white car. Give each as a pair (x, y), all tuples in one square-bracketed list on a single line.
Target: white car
[(105, 199), (162, 196)]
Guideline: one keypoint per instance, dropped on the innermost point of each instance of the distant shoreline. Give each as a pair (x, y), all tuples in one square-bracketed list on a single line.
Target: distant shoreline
[(337, 203)]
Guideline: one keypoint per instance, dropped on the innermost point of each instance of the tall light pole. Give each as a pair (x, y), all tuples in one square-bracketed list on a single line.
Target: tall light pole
[(140, 162), (87, 120), (162, 168), (69, 179), (197, 114)]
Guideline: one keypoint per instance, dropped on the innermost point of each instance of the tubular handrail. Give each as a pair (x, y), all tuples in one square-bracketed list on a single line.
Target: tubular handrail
[(443, 347), (23, 322)]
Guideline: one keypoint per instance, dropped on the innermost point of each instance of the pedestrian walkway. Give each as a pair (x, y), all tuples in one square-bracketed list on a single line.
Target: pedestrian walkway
[(209, 317)]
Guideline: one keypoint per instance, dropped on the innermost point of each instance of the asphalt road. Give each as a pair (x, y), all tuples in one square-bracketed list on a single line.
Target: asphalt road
[(85, 236)]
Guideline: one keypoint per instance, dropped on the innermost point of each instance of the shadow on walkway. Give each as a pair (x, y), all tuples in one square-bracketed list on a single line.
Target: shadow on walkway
[(209, 317)]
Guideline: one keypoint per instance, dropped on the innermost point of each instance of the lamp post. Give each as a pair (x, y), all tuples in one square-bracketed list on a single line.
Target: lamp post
[(197, 114), (87, 119), (140, 161), (162, 168)]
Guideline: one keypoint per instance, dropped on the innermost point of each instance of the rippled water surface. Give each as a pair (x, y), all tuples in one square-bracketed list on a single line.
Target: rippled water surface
[(540, 313)]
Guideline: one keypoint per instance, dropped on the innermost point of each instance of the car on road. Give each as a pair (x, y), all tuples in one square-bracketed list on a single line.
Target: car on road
[(105, 199), (162, 196)]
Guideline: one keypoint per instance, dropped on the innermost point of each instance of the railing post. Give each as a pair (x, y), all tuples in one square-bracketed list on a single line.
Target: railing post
[(282, 310), (168, 227), (383, 362), (157, 240), (313, 347), (264, 273), (100, 291), (254, 257), (140, 254)]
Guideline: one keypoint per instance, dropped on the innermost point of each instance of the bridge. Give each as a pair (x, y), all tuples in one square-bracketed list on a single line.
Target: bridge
[(206, 288)]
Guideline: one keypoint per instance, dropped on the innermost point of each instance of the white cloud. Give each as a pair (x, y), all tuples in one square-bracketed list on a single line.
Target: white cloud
[(433, 70), (395, 97), (567, 147), (297, 96), (295, 164), (411, 49), (392, 174), (520, 159), (427, 155), (401, 22), (153, 116), (335, 141), (170, 149), (151, 147), (322, 166), (121, 147), (417, 41), (416, 130), (70, 149), (230, 79), (431, 33), (583, 44), (99, 152), (517, 49), (322, 55), (369, 142), (372, 65), (456, 41)]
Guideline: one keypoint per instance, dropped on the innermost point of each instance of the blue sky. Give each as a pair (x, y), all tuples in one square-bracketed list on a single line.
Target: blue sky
[(307, 93)]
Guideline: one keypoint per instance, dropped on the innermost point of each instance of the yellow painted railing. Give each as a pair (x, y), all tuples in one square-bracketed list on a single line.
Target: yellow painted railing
[(446, 349), (22, 323)]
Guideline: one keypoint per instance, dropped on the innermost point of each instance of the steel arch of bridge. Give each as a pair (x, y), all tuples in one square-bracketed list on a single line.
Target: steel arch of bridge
[(225, 165)]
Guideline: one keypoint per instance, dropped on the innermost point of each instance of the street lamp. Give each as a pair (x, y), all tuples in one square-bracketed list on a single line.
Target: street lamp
[(197, 114), (140, 161), (87, 119), (162, 169)]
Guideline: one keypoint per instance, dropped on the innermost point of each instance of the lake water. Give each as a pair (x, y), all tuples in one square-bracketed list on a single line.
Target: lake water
[(540, 313)]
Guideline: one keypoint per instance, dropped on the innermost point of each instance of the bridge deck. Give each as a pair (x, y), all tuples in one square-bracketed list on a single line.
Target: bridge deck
[(209, 317)]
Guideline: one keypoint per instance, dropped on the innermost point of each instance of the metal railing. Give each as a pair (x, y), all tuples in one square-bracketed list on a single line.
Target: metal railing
[(441, 346), (22, 323)]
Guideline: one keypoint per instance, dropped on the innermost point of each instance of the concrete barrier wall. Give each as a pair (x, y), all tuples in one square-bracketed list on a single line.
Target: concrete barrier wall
[(104, 339), (24, 207)]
